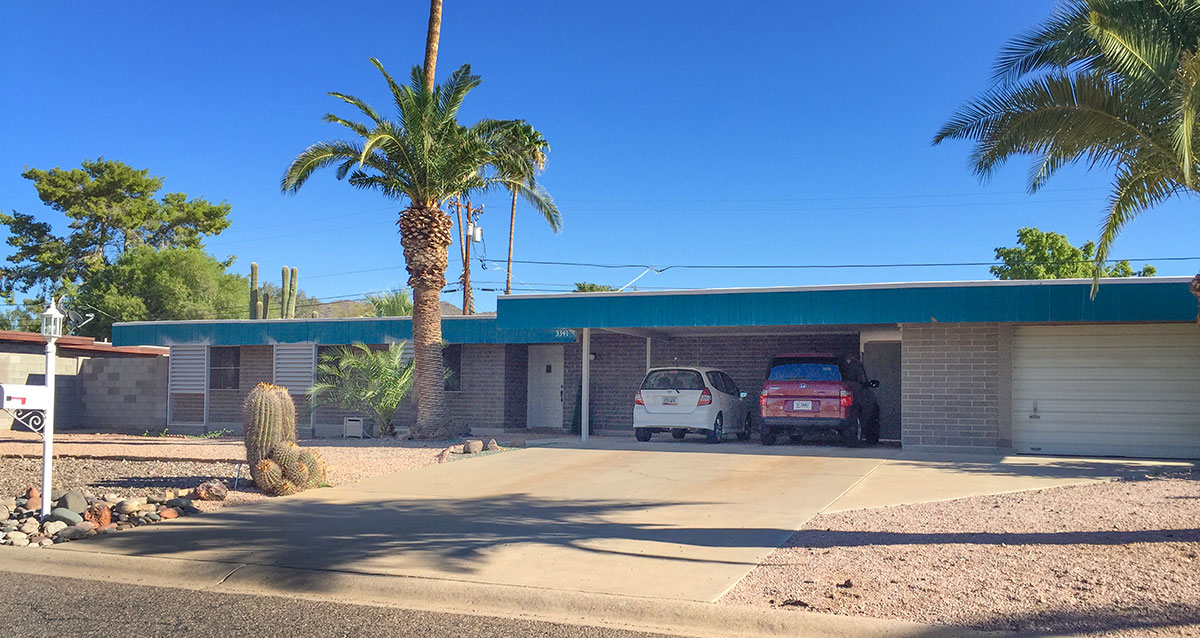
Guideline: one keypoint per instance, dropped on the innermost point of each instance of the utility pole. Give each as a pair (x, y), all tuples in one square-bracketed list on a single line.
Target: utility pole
[(473, 233)]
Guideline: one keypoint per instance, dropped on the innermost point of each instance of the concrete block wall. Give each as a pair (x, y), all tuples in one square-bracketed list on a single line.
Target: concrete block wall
[(479, 402), (620, 365), (127, 394), (952, 381), (25, 364), (516, 380)]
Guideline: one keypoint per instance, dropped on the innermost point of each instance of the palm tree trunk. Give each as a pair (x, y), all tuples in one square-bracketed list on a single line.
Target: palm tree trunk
[(512, 229), (431, 41), (425, 235)]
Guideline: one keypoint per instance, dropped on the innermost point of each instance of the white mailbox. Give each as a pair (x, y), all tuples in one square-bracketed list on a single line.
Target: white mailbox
[(25, 397)]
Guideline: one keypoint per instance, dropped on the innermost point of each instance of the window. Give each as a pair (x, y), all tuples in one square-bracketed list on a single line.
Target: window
[(452, 361), (673, 380), (733, 389), (714, 379), (805, 370), (224, 368)]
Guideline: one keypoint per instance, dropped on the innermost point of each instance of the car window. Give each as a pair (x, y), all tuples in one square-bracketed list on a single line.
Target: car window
[(787, 369), (729, 383), (714, 379), (673, 380)]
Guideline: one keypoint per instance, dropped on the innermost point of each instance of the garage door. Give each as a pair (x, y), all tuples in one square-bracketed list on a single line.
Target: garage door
[(1110, 390)]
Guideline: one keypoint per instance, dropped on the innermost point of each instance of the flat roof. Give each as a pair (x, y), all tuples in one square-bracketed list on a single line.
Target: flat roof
[(244, 332), (1134, 299)]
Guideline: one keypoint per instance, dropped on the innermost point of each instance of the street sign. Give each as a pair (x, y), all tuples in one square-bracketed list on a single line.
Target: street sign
[(25, 397)]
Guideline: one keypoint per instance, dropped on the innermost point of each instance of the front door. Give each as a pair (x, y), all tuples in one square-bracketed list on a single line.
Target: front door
[(545, 400)]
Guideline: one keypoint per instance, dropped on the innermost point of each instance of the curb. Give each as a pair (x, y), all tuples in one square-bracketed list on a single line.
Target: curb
[(678, 617)]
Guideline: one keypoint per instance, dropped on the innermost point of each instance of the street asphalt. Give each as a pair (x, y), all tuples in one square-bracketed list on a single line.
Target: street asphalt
[(52, 606)]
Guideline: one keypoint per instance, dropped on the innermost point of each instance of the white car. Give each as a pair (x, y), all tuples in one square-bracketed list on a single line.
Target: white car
[(690, 399)]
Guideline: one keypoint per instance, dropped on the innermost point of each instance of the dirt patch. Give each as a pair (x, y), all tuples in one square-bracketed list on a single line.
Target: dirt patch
[(1119, 558)]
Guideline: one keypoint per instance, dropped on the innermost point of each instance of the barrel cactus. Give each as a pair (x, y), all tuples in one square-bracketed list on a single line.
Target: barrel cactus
[(277, 464)]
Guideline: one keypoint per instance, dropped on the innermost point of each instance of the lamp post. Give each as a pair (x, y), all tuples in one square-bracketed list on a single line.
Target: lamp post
[(52, 321)]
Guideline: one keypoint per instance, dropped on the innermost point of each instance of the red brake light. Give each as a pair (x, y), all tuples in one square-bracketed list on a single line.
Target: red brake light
[(847, 399), (705, 397), (637, 398), (762, 400)]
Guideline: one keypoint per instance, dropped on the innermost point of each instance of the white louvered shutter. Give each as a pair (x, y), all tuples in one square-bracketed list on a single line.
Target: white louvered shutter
[(294, 366), (188, 369)]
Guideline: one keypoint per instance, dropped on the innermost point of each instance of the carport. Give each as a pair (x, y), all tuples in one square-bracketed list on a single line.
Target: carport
[(947, 349)]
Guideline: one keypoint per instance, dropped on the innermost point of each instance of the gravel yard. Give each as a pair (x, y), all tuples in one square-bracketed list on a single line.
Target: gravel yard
[(1112, 559), (348, 460)]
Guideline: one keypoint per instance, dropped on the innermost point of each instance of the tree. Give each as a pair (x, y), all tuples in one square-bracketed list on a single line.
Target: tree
[(525, 157), (145, 284), (432, 36), (112, 208), (587, 286), (1047, 255), (394, 303), (26, 316), (424, 156), (1108, 83), (373, 382)]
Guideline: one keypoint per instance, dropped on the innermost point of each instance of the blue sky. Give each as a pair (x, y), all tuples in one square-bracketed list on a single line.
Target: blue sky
[(681, 132)]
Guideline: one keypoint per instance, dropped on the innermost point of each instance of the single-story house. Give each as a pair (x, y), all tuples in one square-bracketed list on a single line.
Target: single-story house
[(1027, 366)]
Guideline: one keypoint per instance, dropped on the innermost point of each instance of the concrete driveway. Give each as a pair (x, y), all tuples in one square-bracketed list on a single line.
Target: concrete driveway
[(669, 519)]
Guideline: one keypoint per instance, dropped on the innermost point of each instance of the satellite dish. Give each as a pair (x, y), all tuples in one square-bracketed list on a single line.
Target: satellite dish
[(74, 317)]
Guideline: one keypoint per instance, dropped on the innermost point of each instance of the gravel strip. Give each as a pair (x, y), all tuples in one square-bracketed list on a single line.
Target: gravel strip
[(1119, 558), (348, 462)]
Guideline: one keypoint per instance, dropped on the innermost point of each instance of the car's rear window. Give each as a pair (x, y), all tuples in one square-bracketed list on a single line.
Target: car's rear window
[(673, 380), (805, 369)]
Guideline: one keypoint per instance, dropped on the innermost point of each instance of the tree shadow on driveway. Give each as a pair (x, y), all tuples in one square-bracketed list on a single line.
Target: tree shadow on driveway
[(454, 536)]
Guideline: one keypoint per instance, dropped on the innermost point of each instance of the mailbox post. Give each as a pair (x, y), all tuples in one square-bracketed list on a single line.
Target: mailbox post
[(52, 321)]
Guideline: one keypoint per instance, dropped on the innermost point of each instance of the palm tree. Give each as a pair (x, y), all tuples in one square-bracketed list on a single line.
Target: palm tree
[(1110, 83), (524, 156), (422, 157), (394, 303), (431, 42), (373, 382)]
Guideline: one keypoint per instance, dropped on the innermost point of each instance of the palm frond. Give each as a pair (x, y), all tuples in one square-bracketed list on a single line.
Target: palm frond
[(317, 156), (1135, 191)]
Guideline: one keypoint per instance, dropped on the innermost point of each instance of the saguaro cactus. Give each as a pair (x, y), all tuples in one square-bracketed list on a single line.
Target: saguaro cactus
[(284, 292), (255, 306), (291, 303), (277, 464)]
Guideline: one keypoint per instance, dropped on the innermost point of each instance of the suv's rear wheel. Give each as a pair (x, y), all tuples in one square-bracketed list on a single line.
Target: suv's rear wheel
[(678, 433), (871, 433), (642, 434), (718, 429)]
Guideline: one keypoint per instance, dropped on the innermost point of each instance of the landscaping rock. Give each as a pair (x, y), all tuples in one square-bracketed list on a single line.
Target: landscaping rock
[(153, 517), (33, 504), (179, 502), (168, 513), (29, 526), (31, 492), (98, 513), (112, 497), (106, 528), (493, 446), (9, 502), (65, 515), (4, 512), (155, 499), (130, 505), (50, 528), (86, 526), (57, 493), (72, 534), (12, 536), (20, 542), (474, 446), (516, 443), (73, 500), (213, 490)]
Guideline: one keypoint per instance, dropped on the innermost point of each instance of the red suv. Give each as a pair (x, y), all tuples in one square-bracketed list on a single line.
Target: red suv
[(813, 392)]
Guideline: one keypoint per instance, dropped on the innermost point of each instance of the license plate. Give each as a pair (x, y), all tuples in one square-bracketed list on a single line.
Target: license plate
[(670, 400), (802, 405)]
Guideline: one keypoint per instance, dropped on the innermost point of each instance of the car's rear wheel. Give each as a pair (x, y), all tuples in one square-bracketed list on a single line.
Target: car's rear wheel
[(678, 433), (718, 429), (852, 434), (769, 437), (642, 434), (744, 434)]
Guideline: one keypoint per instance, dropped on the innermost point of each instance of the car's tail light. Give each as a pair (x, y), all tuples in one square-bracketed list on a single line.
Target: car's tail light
[(705, 398), (847, 399), (637, 398), (762, 400)]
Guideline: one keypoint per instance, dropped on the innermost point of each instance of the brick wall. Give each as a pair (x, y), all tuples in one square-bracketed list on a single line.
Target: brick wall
[(621, 363), (951, 381), (480, 401), (516, 379)]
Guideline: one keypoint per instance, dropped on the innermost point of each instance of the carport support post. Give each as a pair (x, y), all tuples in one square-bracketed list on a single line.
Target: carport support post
[(585, 393)]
